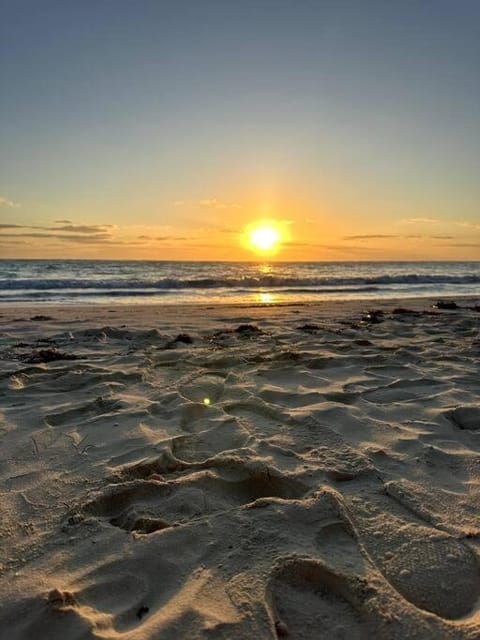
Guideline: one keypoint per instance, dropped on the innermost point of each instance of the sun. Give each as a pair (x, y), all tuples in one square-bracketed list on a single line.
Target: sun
[(264, 238)]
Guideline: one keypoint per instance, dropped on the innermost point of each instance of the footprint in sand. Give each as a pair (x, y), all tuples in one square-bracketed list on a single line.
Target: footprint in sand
[(146, 506), (311, 601), (114, 597), (37, 618), (455, 511), (98, 407), (257, 416), (204, 386), (438, 575), (405, 391), (431, 569), (185, 450), (117, 590)]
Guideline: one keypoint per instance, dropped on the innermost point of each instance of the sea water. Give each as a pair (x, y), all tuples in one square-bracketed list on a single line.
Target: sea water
[(109, 281)]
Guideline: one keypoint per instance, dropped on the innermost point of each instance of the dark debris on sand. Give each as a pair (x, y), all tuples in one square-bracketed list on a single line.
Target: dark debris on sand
[(309, 328), (247, 330), (402, 311), (375, 316), (183, 338), (41, 318), (48, 355), (242, 331), (448, 305), (363, 342)]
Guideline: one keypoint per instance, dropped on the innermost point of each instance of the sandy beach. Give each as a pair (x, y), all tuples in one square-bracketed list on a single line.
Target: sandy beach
[(248, 472)]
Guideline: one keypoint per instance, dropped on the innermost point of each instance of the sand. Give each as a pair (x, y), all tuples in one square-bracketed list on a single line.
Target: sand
[(313, 474)]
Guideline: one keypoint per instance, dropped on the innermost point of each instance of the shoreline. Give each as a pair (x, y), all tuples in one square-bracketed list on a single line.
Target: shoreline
[(135, 302), (144, 314)]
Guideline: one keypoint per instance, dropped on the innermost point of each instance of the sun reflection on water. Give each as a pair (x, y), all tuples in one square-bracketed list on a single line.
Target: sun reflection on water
[(266, 298)]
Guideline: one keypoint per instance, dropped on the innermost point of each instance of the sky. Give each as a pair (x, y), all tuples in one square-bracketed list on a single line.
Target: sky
[(151, 129)]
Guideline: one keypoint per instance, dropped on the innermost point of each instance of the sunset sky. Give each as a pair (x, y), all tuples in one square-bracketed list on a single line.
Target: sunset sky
[(162, 130)]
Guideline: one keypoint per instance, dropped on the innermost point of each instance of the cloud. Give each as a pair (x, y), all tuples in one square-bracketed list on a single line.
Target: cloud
[(166, 238), (329, 247), (74, 233), (58, 236), (468, 225), (178, 203), (80, 228), (458, 223), (101, 234), (406, 237), (208, 228), (373, 236), (69, 228), (300, 244), (466, 245), (421, 221), (80, 234), (95, 239), (213, 203), (5, 202), (207, 245), (86, 234)]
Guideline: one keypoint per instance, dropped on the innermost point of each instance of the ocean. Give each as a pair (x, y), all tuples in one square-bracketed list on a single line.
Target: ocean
[(113, 281)]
